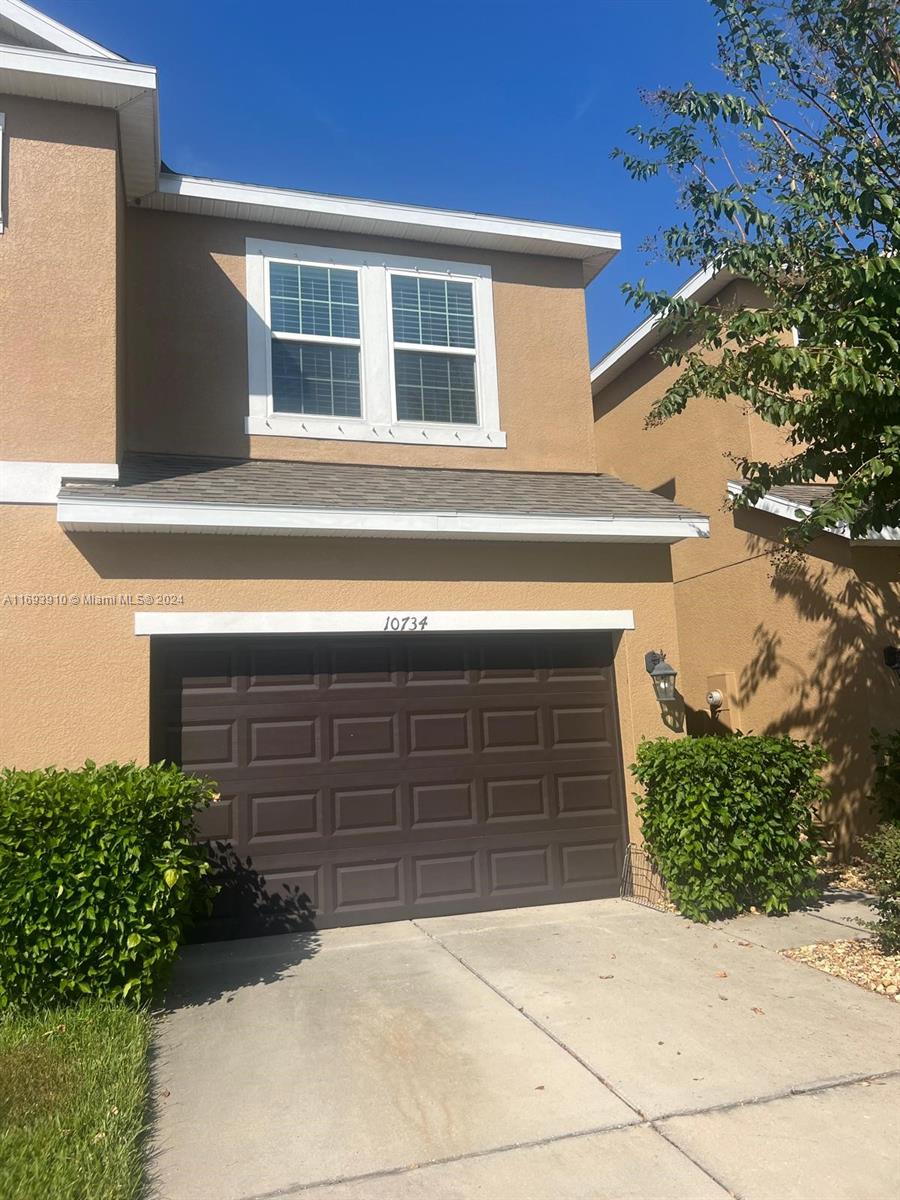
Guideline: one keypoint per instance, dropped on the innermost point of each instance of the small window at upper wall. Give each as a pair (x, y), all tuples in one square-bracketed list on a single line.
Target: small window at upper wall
[(315, 340), (434, 385), (801, 333)]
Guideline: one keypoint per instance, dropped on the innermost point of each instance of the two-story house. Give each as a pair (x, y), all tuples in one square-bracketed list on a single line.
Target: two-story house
[(300, 491), (799, 650)]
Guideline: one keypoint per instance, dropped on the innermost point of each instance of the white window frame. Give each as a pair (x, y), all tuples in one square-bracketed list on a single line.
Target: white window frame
[(320, 339), (378, 422), (429, 348)]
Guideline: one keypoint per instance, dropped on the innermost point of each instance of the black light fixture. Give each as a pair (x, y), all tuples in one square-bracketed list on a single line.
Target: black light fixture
[(662, 674), (892, 659)]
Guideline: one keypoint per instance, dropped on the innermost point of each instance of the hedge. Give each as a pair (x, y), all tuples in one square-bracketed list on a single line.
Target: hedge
[(882, 870), (729, 821), (100, 873)]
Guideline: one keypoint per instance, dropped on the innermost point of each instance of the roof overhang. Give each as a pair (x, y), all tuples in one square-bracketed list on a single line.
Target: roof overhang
[(700, 288), (127, 88), (594, 248), (790, 510), (90, 514)]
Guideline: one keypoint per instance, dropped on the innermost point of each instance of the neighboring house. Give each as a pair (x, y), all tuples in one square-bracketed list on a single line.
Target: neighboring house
[(301, 491), (794, 651)]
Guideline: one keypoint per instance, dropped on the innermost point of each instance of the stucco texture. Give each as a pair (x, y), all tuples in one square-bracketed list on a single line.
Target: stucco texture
[(58, 262), (187, 350), (796, 651), (80, 676)]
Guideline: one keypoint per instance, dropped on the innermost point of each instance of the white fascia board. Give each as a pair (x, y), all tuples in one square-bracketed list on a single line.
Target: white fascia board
[(92, 514), (345, 212), (699, 287), (172, 624), (115, 73), (789, 510), (127, 88), (54, 33), (39, 482)]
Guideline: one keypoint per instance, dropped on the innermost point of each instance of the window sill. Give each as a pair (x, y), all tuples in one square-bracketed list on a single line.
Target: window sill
[(351, 429)]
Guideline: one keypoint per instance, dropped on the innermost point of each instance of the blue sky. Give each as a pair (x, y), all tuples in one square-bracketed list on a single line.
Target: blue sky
[(502, 106)]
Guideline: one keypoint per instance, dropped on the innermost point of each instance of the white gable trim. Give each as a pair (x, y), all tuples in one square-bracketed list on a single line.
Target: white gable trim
[(54, 33), (789, 510), (700, 287)]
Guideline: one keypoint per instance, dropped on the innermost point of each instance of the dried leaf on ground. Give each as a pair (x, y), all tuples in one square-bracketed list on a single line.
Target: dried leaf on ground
[(846, 877), (860, 962)]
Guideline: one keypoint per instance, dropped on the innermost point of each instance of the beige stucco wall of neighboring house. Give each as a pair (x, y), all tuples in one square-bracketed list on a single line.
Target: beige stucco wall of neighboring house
[(797, 652), (187, 349), (58, 262), (77, 677)]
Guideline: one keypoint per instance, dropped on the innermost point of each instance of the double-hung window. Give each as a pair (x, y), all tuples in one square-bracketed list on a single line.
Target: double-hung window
[(434, 349), (357, 345), (315, 340)]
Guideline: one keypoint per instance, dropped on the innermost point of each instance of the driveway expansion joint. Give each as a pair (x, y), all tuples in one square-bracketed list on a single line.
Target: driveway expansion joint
[(653, 1124), (536, 1023), (407, 1168)]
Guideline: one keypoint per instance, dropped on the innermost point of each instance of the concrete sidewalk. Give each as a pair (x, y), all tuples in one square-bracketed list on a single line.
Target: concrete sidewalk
[(574, 1051)]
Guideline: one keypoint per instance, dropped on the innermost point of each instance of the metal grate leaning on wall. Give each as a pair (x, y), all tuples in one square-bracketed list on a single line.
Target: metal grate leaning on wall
[(641, 882)]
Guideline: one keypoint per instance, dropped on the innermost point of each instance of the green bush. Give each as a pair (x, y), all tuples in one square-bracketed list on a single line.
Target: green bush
[(729, 821), (99, 873), (886, 785), (882, 869)]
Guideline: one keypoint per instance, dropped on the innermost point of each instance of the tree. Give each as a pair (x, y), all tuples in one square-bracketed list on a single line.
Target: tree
[(790, 177)]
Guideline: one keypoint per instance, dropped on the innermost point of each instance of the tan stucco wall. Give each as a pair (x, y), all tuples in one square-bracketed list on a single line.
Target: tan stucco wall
[(804, 649), (187, 349), (58, 283), (76, 678)]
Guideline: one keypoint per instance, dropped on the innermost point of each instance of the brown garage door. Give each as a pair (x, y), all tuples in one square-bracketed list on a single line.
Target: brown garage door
[(401, 776)]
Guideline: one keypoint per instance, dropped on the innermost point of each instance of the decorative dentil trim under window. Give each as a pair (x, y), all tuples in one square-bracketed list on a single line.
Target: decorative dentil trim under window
[(362, 346)]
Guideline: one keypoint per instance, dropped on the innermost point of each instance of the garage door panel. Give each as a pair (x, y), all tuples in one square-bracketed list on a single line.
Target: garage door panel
[(387, 777), (439, 732), (439, 805), (357, 664), (206, 745), (281, 741), (524, 798), (505, 729), (438, 663), (588, 863), (586, 795), (581, 727), (294, 816), (279, 667)]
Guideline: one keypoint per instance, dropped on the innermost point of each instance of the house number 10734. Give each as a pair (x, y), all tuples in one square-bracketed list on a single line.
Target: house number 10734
[(398, 624)]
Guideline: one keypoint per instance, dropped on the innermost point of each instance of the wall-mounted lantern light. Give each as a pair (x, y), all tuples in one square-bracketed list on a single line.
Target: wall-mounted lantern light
[(892, 658), (662, 674)]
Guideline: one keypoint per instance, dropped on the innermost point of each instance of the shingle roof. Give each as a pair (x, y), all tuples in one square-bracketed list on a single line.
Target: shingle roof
[(803, 494), (174, 479)]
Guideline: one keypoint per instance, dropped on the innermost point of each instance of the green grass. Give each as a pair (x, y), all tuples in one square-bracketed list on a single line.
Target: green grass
[(73, 1086)]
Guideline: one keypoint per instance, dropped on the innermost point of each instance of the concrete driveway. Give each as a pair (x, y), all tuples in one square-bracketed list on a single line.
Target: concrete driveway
[(574, 1052)]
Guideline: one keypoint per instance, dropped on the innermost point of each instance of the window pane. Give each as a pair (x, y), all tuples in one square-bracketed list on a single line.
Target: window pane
[(308, 377), (435, 387), (433, 312), (323, 301)]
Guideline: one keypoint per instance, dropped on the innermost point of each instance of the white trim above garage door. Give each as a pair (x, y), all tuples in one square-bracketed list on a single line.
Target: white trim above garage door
[(387, 621)]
